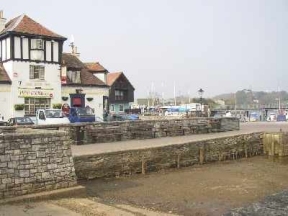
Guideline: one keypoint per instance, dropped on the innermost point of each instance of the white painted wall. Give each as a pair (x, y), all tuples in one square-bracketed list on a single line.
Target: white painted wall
[(19, 74), (48, 51), (55, 51), (17, 47), (101, 76), (25, 48), (0, 49), (4, 50), (5, 101), (8, 48)]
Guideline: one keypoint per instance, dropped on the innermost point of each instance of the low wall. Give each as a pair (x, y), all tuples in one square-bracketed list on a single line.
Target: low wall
[(33, 161), (85, 133), (173, 156)]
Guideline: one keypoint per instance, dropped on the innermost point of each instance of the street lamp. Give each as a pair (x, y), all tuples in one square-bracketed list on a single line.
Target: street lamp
[(201, 92)]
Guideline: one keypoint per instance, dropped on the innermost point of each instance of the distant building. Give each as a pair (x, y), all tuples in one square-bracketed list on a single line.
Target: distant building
[(121, 92)]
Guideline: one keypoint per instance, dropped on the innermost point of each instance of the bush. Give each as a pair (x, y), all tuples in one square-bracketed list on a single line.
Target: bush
[(19, 106), (57, 106)]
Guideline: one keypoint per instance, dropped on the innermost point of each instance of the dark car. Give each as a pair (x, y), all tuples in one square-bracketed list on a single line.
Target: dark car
[(20, 121)]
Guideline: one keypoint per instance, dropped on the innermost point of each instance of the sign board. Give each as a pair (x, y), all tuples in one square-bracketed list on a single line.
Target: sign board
[(35, 93)]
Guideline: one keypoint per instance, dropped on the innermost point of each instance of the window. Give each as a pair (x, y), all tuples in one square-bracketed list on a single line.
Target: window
[(121, 108), (74, 76), (112, 108), (37, 72), (37, 44), (119, 95), (32, 104)]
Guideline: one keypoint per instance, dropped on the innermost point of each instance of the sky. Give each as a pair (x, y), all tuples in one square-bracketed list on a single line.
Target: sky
[(221, 46)]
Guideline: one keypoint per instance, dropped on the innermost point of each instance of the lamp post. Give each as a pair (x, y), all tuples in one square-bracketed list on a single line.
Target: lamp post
[(201, 92)]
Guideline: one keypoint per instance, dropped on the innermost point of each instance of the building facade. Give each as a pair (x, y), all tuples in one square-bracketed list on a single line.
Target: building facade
[(121, 92), (80, 88), (33, 75), (30, 57)]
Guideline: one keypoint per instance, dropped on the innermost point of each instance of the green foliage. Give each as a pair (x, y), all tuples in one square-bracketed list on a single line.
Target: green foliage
[(57, 106), (19, 107)]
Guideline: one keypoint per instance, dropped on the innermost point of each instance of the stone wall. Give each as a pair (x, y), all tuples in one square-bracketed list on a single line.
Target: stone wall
[(148, 129), (173, 156), (33, 161), (86, 133)]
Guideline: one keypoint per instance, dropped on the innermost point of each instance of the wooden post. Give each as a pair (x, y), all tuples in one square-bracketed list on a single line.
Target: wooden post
[(246, 151), (178, 160), (143, 165), (201, 155)]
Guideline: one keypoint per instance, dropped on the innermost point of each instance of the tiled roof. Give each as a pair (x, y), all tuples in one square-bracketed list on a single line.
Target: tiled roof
[(95, 67), (88, 78), (112, 77), (4, 78), (26, 25), (72, 61)]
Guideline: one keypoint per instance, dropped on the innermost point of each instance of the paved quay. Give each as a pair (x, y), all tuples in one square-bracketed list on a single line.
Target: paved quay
[(245, 128)]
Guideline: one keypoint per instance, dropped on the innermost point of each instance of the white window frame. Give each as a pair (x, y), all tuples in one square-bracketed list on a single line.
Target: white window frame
[(37, 44), (37, 72)]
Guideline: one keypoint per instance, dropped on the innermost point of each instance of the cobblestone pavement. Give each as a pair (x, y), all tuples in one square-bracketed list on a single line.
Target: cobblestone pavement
[(148, 143)]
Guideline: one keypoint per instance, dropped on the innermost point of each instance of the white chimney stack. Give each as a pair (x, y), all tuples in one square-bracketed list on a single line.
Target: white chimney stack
[(2, 21)]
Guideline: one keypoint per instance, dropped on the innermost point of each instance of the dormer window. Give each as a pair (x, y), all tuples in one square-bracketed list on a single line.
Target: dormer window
[(37, 44)]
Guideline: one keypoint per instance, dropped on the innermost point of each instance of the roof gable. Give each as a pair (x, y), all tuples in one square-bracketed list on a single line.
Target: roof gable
[(114, 77), (25, 25), (4, 78), (73, 63), (95, 67)]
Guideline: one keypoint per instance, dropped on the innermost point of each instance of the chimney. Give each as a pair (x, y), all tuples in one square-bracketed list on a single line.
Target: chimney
[(2, 21)]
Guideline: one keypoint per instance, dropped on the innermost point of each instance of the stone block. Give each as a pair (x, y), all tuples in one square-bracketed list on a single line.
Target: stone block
[(24, 173), (19, 180), (46, 175), (6, 180), (3, 165), (5, 158)]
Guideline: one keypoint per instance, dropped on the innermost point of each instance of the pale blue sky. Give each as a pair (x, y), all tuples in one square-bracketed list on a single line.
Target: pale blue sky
[(219, 45)]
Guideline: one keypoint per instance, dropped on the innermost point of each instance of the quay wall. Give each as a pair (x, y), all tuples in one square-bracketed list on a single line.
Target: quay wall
[(131, 162)]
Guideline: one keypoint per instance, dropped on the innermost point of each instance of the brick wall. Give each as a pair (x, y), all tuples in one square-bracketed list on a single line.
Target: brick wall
[(174, 156), (33, 161)]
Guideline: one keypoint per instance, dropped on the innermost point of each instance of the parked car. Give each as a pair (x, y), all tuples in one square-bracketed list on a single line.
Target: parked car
[(123, 117), (20, 121)]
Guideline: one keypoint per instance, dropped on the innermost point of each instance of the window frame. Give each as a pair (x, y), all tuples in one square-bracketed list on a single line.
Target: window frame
[(41, 73), (37, 44), (121, 105)]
